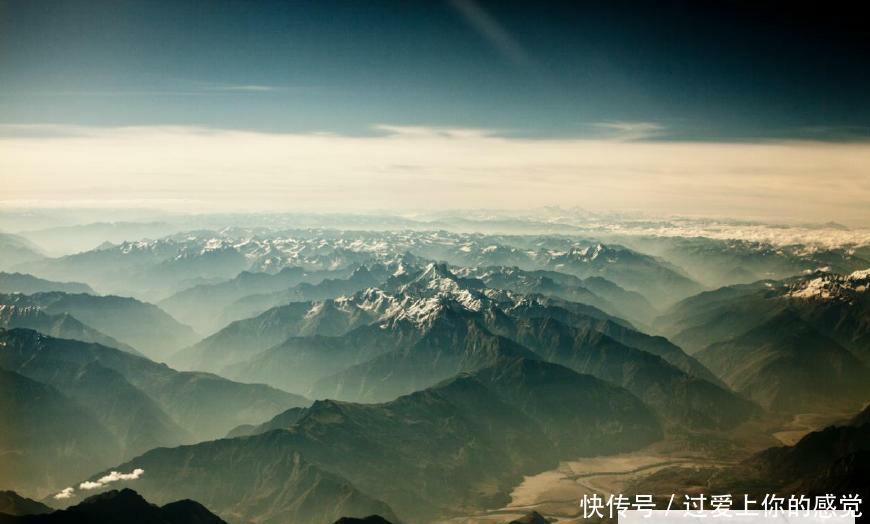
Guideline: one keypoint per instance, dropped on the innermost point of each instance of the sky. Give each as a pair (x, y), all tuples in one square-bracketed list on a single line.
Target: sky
[(747, 109)]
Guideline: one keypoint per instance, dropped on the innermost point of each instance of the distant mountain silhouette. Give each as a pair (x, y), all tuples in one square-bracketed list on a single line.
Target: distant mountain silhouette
[(29, 284), (12, 503), (126, 506), (141, 325)]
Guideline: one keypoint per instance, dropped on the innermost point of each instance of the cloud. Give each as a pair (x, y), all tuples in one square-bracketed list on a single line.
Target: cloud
[(181, 89), (65, 493), (424, 168), (114, 476), (492, 31), (251, 88), (629, 130)]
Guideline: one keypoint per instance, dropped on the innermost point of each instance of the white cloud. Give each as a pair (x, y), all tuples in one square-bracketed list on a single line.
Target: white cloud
[(114, 476), (419, 168), (65, 493)]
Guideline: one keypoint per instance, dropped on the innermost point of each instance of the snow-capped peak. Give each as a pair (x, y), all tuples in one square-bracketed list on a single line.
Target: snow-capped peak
[(831, 286)]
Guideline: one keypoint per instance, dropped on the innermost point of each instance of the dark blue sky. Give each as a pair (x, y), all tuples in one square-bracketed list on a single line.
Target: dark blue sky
[(752, 70)]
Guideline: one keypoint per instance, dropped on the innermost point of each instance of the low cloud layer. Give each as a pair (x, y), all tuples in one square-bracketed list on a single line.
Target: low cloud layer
[(401, 168)]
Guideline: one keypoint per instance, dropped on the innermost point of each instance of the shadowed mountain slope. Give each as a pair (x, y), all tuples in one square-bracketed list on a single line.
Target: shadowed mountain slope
[(492, 426), (122, 506)]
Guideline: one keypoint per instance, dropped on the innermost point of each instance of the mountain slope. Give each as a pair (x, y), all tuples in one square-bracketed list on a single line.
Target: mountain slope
[(595, 291), (122, 506), (454, 343), (788, 366), (834, 460), (680, 398), (568, 313), (659, 281), (362, 277), (202, 306), (299, 362), (205, 405), (143, 326), (150, 270), (490, 427), (47, 440), (12, 503), (245, 338), (244, 480), (29, 284), (62, 325), (837, 306), (16, 250)]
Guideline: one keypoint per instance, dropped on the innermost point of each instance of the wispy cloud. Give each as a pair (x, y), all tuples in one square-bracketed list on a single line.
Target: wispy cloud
[(492, 31), (248, 88), (183, 89), (629, 130)]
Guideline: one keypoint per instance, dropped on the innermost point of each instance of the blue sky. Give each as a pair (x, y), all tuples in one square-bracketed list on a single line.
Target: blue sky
[(529, 69)]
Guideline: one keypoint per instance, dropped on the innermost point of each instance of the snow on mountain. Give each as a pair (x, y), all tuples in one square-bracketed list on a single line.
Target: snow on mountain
[(830, 286)]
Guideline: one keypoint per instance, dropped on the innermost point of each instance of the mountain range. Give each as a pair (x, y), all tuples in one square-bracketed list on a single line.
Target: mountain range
[(154, 270), (429, 324), (137, 403), (62, 325), (493, 426), (788, 366), (836, 305), (141, 325), (321, 375), (204, 306), (29, 284)]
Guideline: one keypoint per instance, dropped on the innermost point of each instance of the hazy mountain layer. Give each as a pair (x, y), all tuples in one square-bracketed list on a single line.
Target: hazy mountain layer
[(205, 405), (788, 366), (29, 284), (203, 306), (719, 263), (837, 306), (156, 269), (16, 250), (595, 291), (362, 278), (452, 344), (687, 401), (143, 326), (245, 338), (434, 324), (62, 325), (48, 440)]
